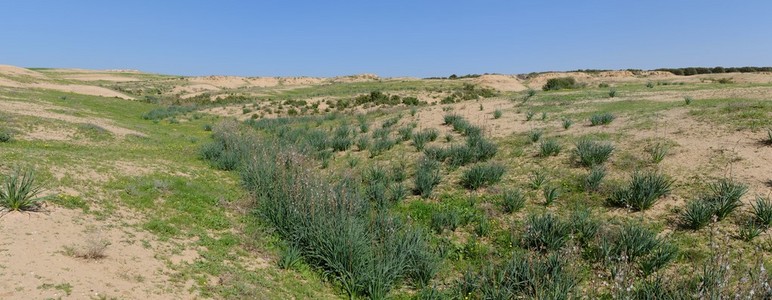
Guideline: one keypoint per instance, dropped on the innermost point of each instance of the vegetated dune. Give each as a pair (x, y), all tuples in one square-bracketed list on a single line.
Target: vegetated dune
[(14, 71), (17, 77)]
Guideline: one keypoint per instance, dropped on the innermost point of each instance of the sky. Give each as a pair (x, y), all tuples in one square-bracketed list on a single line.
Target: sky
[(388, 38)]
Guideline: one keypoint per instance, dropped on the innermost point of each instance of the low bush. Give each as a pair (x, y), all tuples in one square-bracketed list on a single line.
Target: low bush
[(497, 114), (768, 139), (554, 84), (567, 123), (534, 135), (482, 175), (5, 136)]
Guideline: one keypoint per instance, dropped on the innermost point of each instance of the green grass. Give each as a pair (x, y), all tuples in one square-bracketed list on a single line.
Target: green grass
[(20, 191)]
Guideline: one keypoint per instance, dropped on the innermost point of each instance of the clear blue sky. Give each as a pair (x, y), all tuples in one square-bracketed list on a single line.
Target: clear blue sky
[(389, 38)]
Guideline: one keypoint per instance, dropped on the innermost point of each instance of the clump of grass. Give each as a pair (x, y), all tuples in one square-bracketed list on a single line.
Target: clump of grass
[(612, 93), (634, 243), (451, 119), (20, 191), (512, 201), (291, 258), (601, 119), (538, 178), (762, 211), (642, 192), (534, 135), (658, 152), (405, 133), (688, 100), (567, 123), (481, 175), (591, 153), (545, 233), (363, 142), (749, 231), (594, 178), (583, 226), (497, 114), (522, 276), (725, 197), (427, 176), (768, 139), (650, 85), (551, 193), (544, 116), (445, 219), (696, 215), (421, 138), (549, 147), (94, 248), (529, 115)]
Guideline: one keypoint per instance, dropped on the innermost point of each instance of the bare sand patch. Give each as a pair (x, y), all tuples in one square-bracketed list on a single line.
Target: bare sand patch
[(39, 251), (18, 71), (504, 83), (42, 111)]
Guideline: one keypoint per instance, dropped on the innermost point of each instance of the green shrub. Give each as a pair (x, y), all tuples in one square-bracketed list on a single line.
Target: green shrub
[(551, 193), (592, 153), (688, 100), (768, 139), (481, 175), (612, 93), (5, 136), (207, 127), (594, 178), (20, 191), (427, 176), (545, 233), (530, 93), (601, 119), (512, 201), (497, 114), (650, 85), (451, 119), (567, 123), (762, 211), (549, 147), (554, 84), (642, 192)]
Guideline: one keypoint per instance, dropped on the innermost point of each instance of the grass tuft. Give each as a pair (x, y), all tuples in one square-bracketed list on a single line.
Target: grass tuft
[(512, 201), (642, 192), (20, 191), (481, 175), (591, 153), (549, 147), (601, 119)]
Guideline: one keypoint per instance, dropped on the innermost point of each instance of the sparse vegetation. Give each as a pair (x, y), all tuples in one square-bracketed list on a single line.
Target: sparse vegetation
[(481, 175), (21, 192), (601, 119), (642, 192), (591, 153)]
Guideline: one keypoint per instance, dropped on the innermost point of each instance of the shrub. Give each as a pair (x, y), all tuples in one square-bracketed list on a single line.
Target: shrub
[(688, 100), (497, 114), (380, 145), (594, 178), (554, 84), (427, 176), (601, 119), (658, 152), (762, 211), (612, 93), (19, 192), (481, 175), (451, 119), (650, 85), (545, 233), (642, 192), (549, 147), (512, 201), (567, 123), (592, 153), (534, 135), (5, 136), (551, 193)]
